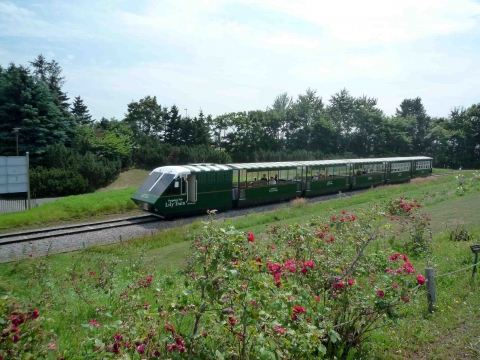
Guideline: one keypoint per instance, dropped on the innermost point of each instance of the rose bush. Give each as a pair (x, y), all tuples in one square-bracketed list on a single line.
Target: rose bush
[(299, 291)]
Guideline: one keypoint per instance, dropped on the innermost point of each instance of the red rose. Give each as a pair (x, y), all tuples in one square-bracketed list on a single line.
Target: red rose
[(421, 280), (250, 236), (380, 294), (351, 282), (298, 309), (232, 320), (34, 314), (308, 263), (394, 257), (339, 285)]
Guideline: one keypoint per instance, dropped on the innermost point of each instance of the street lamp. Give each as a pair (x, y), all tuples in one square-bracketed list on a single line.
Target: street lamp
[(16, 130), (186, 113)]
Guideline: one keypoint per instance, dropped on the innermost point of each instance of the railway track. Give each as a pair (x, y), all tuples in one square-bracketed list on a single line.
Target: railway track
[(40, 234), (15, 246)]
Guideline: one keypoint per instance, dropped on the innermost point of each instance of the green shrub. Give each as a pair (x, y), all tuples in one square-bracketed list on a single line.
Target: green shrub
[(65, 171), (56, 182)]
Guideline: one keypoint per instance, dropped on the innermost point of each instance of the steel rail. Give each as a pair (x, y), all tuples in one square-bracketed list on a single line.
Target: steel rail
[(87, 227), (77, 229)]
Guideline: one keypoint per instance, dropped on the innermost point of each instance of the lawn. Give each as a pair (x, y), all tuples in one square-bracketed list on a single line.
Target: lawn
[(452, 332), (127, 179), (77, 208)]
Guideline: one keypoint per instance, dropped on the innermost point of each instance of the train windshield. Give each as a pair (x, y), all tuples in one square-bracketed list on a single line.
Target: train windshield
[(156, 184)]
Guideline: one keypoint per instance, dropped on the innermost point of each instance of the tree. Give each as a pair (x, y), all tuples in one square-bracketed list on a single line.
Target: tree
[(173, 127), (422, 126), (366, 127), (146, 117), (300, 118), (28, 103), (341, 113), (80, 112), (40, 67)]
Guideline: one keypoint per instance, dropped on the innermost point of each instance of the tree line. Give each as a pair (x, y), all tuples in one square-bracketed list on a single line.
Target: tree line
[(73, 153)]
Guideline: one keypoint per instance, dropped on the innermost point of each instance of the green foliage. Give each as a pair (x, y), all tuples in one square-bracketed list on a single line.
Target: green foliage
[(30, 104), (51, 182), (62, 162), (152, 153), (80, 112)]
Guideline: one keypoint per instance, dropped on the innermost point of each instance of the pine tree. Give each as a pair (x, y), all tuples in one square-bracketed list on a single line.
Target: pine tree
[(27, 103), (80, 112), (40, 67)]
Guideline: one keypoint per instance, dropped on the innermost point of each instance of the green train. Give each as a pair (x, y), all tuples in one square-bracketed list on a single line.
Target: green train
[(171, 191)]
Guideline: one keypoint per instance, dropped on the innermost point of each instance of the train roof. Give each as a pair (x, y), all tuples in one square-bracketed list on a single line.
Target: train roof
[(203, 167), (290, 164)]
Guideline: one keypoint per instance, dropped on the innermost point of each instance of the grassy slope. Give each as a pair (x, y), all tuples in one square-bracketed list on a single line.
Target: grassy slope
[(449, 333), (108, 202), (78, 206), (131, 178)]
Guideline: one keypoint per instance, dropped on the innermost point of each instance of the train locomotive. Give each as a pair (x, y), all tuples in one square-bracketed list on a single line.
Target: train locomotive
[(172, 191)]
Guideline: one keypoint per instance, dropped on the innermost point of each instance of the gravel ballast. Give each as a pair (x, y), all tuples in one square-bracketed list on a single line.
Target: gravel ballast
[(68, 243)]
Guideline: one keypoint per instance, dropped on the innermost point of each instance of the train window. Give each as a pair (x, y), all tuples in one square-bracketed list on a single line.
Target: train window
[(273, 174), (329, 171), (339, 171), (292, 174), (173, 188), (422, 165), (235, 178), (400, 167), (243, 176)]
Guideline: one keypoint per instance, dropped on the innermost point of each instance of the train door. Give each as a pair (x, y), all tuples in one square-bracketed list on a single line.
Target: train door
[(191, 189), (309, 176), (300, 179), (348, 171)]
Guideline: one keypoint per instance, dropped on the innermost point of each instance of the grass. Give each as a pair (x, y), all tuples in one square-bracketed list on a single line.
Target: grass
[(130, 178), (106, 203), (442, 171), (81, 207), (453, 332)]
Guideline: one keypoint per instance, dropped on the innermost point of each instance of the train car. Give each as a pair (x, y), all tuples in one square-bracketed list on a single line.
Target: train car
[(422, 166), (188, 189), (367, 172), (171, 191), (255, 183), (325, 176)]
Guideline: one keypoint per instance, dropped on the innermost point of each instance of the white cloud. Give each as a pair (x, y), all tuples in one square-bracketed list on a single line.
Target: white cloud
[(13, 10), (372, 21), (202, 54)]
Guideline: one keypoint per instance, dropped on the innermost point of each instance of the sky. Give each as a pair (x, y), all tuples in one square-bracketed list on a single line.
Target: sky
[(238, 55)]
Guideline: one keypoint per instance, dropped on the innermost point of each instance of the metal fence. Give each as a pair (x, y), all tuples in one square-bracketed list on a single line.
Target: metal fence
[(11, 203)]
